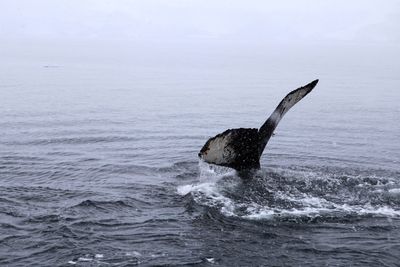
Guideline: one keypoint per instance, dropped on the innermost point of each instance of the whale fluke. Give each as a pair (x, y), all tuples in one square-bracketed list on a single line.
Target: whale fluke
[(241, 149)]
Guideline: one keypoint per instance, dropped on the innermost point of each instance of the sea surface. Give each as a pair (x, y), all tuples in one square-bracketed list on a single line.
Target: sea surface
[(99, 167)]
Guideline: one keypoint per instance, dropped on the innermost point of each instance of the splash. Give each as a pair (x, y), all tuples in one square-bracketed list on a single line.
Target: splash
[(296, 193)]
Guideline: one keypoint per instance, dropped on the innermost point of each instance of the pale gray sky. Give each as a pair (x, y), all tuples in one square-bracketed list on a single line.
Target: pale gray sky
[(273, 22)]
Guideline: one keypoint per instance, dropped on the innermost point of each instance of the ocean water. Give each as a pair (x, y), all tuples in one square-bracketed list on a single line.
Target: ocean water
[(99, 167)]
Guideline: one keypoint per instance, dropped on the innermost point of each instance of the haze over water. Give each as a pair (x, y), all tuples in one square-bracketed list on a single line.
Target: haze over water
[(99, 142)]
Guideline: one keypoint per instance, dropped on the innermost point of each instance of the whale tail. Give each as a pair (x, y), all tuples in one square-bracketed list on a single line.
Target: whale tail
[(267, 129), (242, 148)]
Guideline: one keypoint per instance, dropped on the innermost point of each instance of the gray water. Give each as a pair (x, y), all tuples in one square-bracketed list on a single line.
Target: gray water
[(99, 167)]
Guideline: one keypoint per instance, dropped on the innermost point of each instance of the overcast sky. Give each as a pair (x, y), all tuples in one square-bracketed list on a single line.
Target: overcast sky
[(273, 22)]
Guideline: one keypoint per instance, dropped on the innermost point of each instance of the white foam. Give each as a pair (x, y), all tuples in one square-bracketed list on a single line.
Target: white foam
[(209, 171), (207, 186), (306, 200), (204, 187), (394, 191), (84, 259), (210, 260), (371, 210), (133, 253), (208, 193), (267, 213)]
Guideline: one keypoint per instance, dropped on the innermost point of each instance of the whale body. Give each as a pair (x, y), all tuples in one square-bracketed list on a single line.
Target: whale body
[(241, 149)]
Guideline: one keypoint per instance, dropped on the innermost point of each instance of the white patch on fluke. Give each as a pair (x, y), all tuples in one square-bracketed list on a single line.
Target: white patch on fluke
[(218, 151)]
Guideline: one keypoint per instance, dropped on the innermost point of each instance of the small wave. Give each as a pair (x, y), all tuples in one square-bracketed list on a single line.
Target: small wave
[(46, 218), (80, 140), (107, 223), (38, 194), (102, 204), (121, 168)]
